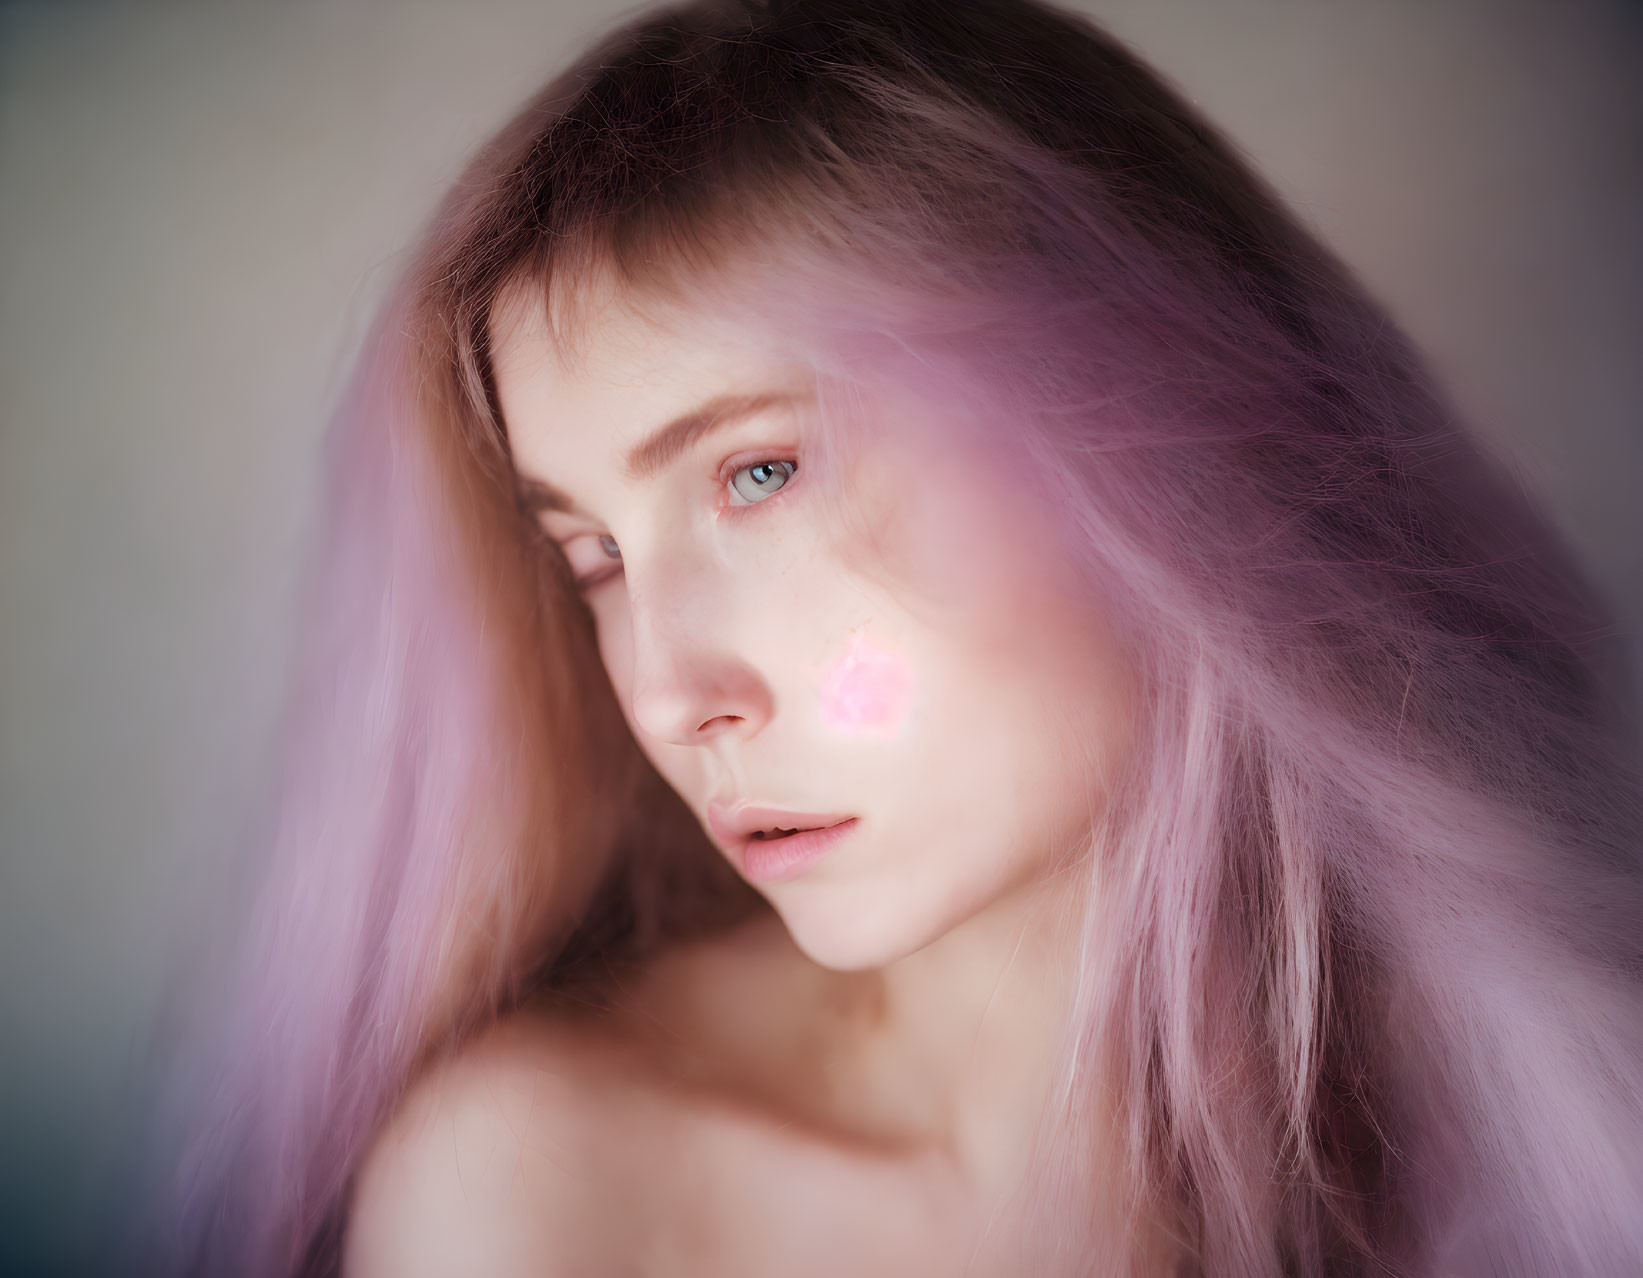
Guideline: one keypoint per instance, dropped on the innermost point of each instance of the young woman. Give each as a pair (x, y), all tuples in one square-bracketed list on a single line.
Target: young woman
[(909, 680)]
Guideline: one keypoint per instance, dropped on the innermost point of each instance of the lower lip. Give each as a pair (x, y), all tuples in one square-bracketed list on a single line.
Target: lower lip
[(776, 860)]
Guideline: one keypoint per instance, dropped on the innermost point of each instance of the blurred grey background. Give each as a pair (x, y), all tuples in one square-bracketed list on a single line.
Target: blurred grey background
[(199, 203)]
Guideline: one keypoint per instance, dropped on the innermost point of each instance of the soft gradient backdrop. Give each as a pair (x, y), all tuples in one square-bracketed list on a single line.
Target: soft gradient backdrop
[(199, 203)]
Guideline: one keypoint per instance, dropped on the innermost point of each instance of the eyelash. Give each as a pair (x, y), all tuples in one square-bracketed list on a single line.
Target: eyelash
[(734, 467), (727, 472)]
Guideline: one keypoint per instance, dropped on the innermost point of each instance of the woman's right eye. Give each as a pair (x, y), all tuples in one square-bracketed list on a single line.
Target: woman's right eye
[(590, 559)]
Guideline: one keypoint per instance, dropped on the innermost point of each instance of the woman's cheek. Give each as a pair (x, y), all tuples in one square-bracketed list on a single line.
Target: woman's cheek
[(615, 641), (868, 690)]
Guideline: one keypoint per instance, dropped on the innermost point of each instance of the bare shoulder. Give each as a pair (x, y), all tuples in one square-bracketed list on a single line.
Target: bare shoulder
[(550, 1145), (495, 1163)]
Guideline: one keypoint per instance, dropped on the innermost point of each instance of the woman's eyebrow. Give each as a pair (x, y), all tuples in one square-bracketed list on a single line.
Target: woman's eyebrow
[(534, 497), (663, 445), (655, 452)]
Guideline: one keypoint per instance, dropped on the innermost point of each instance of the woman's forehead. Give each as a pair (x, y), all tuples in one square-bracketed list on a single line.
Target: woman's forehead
[(607, 340), (585, 368)]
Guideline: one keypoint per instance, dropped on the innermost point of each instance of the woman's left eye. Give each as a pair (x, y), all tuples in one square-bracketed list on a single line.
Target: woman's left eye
[(760, 480)]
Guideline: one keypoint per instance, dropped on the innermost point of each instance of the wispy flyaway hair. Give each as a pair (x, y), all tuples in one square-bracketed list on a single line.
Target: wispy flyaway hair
[(1365, 953)]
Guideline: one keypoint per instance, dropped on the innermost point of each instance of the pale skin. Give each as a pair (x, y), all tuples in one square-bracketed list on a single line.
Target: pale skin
[(853, 1082)]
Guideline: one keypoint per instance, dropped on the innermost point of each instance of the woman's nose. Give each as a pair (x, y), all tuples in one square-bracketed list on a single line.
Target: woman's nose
[(691, 684)]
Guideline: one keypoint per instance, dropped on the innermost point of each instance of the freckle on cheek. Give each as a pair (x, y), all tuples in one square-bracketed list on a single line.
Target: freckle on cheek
[(868, 690)]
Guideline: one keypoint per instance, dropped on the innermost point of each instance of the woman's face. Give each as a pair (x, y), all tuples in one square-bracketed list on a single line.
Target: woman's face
[(950, 725)]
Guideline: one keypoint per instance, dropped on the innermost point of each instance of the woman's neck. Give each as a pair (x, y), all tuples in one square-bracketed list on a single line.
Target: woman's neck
[(965, 1049), (949, 1059)]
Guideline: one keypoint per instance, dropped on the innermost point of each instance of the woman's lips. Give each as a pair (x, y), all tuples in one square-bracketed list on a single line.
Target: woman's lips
[(776, 860), (753, 836)]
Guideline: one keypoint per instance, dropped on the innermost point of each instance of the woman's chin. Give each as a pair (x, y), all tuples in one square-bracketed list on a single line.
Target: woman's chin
[(854, 935)]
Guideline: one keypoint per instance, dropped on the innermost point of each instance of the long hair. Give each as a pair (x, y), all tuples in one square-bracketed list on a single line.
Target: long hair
[(1362, 965)]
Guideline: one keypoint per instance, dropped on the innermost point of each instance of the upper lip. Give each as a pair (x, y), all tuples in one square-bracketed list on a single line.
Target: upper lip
[(733, 824)]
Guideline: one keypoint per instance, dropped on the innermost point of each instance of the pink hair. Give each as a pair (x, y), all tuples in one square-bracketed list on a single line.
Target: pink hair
[(1364, 959)]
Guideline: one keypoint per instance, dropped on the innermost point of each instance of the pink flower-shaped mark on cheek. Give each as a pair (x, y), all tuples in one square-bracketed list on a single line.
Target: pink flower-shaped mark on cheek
[(867, 690)]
